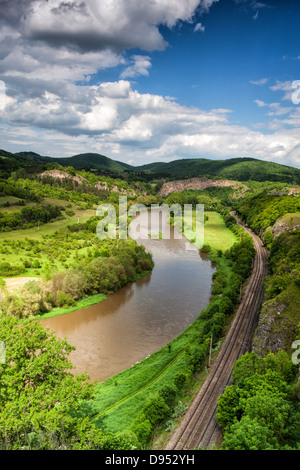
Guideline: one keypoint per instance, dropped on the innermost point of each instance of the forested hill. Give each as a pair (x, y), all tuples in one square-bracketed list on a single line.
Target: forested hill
[(238, 169)]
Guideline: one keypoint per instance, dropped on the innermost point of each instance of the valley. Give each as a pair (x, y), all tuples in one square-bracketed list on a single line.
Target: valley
[(176, 309)]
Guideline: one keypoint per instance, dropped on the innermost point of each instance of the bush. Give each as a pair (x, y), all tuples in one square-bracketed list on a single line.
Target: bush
[(142, 428), (64, 299), (155, 409), (168, 393)]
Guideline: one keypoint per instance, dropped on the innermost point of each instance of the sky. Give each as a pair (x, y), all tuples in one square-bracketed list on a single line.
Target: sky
[(142, 81)]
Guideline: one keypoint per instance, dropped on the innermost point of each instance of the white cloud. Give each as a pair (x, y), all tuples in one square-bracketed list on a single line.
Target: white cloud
[(286, 86), (260, 103), (262, 81), (119, 121), (199, 27), (50, 50), (140, 66), (117, 24)]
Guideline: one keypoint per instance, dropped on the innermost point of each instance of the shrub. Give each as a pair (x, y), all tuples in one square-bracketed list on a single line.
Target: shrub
[(64, 299), (168, 393), (142, 428), (155, 409)]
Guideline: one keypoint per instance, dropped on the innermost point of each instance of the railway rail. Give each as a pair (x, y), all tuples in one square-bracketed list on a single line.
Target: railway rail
[(199, 427)]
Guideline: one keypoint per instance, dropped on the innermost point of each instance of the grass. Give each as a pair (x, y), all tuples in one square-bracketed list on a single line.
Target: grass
[(216, 234), (119, 399), (83, 303), (51, 227)]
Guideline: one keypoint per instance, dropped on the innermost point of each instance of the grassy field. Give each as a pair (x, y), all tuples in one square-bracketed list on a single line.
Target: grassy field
[(13, 247), (216, 234), (45, 229)]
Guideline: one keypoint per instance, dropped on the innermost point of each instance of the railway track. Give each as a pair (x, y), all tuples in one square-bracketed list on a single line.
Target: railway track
[(199, 426)]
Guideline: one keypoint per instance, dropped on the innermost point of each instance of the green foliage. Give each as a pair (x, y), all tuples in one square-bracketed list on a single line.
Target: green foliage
[(39, 396), (262, 211), (258, 411), (28, 217), (155, 409), (6, 269), (238, 169)]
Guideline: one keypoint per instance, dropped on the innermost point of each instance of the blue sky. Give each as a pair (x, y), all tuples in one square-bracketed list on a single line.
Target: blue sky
[(144, 81)]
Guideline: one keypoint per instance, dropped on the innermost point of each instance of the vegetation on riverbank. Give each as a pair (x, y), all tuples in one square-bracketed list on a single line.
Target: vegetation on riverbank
[(43, 406), (151, 396)]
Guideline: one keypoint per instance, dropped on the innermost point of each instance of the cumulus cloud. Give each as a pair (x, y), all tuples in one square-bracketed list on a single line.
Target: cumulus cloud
[(96, 25), (117, 120), (50, 50)]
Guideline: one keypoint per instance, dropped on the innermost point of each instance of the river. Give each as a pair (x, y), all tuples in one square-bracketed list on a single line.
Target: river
[(143, 316)]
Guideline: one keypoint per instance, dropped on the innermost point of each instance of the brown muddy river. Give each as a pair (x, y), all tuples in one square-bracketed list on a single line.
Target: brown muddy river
[(143, 316)]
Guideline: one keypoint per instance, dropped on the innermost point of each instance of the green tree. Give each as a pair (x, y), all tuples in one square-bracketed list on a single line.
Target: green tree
[(40, 397), (249, 434)]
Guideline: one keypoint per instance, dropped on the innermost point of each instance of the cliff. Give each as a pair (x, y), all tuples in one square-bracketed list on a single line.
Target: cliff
[(194, 183)]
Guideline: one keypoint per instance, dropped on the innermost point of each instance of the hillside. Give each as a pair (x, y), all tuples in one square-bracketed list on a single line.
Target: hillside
[(238, 169), (241, 169)]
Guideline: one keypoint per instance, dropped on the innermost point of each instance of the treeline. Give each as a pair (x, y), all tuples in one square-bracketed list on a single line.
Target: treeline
[(214, 199), (260, 410), (28, 217), (120, 264)]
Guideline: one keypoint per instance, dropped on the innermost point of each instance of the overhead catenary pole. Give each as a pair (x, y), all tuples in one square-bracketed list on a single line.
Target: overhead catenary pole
[(210, 348)]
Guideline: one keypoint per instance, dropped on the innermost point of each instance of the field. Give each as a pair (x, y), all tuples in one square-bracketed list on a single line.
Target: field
[(33, 244), (119, 400), (81, 215), (216, 234)]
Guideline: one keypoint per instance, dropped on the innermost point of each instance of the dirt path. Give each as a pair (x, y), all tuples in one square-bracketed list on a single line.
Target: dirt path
[(14, 284)]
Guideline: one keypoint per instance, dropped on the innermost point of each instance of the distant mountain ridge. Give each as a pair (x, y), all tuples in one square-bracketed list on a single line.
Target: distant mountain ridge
[(238, 169)]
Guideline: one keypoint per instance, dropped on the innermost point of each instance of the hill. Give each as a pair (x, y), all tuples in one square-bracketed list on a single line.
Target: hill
[(238, 169)]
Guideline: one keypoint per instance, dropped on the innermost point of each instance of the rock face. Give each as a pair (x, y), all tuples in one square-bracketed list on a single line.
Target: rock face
[(194, 183), (286, 225), (275, 330), (58, 174), (104, 185)]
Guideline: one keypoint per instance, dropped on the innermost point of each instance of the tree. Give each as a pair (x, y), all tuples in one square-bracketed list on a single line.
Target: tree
[(40, 397), (249, 434)]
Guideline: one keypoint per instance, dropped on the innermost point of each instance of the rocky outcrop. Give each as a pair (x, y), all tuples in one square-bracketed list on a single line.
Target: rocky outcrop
[(195, 183), (103, 185), (58, 174), (287, 223), (276, 329)]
